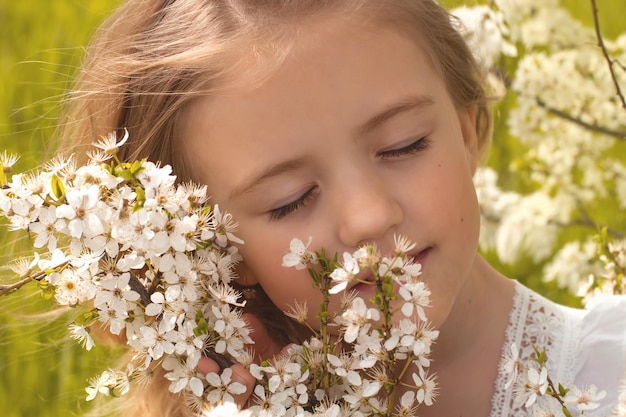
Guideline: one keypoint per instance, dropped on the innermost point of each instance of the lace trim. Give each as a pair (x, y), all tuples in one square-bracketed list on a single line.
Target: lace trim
[(534, 320)]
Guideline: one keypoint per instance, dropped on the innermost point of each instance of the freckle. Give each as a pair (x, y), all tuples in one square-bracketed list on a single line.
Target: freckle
[(439, 165), (462, 219)]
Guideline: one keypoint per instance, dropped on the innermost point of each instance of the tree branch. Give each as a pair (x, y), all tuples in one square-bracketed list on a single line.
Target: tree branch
[(584, 221), (6, 289), (618, 134), (609, 61)]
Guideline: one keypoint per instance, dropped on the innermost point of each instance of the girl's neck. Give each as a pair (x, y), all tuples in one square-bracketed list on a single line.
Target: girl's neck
[(467, 353), (479, 315)]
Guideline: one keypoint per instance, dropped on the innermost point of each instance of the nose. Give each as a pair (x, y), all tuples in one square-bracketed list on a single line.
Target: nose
[(368, 211)]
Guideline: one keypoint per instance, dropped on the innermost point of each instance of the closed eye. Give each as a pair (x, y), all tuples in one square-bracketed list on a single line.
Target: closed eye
[(412, 148), (282, 211)]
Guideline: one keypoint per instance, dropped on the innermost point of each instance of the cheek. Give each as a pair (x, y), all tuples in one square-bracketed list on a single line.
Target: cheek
[(468, 216), (285, 286), (456, 196), (263, 253)]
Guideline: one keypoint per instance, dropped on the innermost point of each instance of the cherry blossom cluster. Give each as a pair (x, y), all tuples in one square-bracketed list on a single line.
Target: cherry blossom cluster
[(145, 257), (355, 360), (152, 262), (540, 395)]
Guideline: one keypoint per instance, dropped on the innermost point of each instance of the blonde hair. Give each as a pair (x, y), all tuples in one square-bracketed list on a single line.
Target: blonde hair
[(152, 58)]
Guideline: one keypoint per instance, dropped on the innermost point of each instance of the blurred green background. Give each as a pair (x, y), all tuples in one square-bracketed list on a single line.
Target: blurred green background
[(42, 372)]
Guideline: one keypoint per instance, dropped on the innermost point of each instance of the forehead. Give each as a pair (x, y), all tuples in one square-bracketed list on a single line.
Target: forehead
[(338, 72), (259, 56)]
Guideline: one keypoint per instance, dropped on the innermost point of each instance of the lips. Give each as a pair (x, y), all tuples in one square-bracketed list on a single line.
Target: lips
[(422, 255)]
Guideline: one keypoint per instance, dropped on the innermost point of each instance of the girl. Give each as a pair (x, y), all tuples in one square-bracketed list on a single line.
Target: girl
[(349, 121)]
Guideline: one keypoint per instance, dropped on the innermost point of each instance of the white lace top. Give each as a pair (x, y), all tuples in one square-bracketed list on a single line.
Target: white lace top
[(584, 346)]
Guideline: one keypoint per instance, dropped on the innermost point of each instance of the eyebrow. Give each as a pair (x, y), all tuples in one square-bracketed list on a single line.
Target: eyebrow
[(406, 105), (270, 172), (403, 106)]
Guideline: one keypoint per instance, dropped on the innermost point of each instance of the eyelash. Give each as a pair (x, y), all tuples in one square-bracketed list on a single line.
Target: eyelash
[(280, 212), (412, 148)]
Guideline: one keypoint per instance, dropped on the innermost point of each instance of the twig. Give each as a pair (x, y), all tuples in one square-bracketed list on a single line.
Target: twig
[(621, 135), (555, 394), (588, 220), (222, 361), (6, 289), (596, 24), (139, 288)]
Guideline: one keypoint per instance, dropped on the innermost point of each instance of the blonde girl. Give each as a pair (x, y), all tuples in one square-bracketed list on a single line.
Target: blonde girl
[(348, 121)]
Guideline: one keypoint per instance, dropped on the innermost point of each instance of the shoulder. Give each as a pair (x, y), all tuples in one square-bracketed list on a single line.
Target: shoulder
[(604, 326), (582, 343), (602, 354), (606, 304), (585, 346), (590, 345)]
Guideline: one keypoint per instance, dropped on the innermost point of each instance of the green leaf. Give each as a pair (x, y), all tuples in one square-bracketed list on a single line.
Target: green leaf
[(87, 318), (541, 356), (123, 172), (203, 326), (58, 189), (136, 167), (47, 289), (140, 198)]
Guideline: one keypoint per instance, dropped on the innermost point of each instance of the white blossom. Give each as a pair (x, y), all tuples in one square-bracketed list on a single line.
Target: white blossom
[(531, 385), (182, 375), (81, 334), (100, 385), (109, 143), (486, 33), (80, 210), (224, 387), (584, 399), (573, 264), (345, 274), (426, 387), (299, 256), (226, 409), (357, 316)]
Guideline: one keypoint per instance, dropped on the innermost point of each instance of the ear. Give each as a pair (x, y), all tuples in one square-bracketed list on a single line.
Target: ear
[(467, 119)]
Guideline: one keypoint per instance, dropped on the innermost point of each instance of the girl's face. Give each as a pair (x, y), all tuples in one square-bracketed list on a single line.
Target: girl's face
[(354, 139)]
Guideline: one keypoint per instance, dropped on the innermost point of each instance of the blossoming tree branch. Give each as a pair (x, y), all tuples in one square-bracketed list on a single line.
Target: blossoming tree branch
[(558, 203), (153, 262)]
